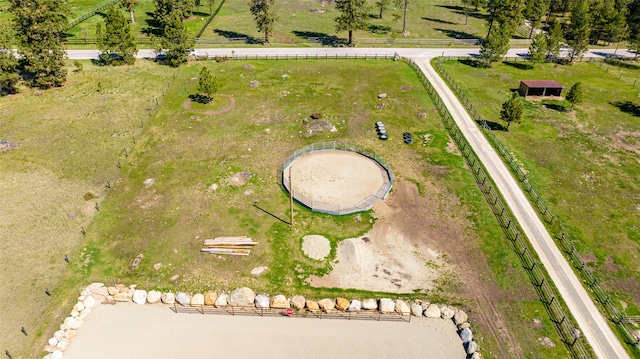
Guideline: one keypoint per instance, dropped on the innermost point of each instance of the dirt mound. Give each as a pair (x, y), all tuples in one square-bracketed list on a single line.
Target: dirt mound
[(316, 247)]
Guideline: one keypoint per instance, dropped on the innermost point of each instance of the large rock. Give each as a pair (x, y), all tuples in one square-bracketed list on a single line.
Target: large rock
[(416, 309), (153, 296), (432, 311), (446, 312), (262, 301), (279, 302), (242, 297), (298, 302), (89, 301), (424, 304), (197, 300), (121, 297), (63, 344), (402, 307), (464, 325), (56, 354), (466, 335), (476, 355), (221, 301), (183, 299), (472, 347), (68, 322), (140, 296), (59, 334), (327, 304), (70, 334), (312, 305), (342, 304), (168, 298), (79, 306), (460, 317), (369, 304), (386, 305), (210, 298), (355, 306), (53, 341), (77, 323), (112, 290)]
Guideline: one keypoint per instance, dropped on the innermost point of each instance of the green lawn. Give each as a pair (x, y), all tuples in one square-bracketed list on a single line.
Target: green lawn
[(583, 162)]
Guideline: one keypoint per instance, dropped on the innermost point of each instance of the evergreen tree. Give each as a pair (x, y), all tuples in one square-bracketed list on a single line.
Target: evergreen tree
[(263, 15), (130, 5), (382, 4), (207, 83), (554, 40), (533, 11), (633, 21), (405, 5), (508, 12), (512, 110), (38, 25), (607, 19), (575, 94), (578, 36), (116, 43), (175, 41), (467, 4), (496, 44), (353, 16), (538, 49), (8, 62), (166, 8)]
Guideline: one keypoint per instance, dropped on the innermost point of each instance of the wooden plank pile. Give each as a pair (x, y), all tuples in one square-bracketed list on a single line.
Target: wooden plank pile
[(237, 246)]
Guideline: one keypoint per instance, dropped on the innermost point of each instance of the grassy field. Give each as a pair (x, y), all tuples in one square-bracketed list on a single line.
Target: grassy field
[(584, 162), (72, 138)]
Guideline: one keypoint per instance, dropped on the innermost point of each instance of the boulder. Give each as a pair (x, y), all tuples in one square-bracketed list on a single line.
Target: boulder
[(298, 302), (472, 347), (466, 335), (424, 304), (121, 288), (153, 296), (476, 355), (460, 317), (402, 307), (183, 299), (258, 271), (369, 304), (342, 304), (242, 297), (312, 305), (112, 290), (70, 334), (446, 312), (355, 306), (74, 313), (168, 298), (382, 95), (386, 305), (121, 297), (197, 300), (63, 344), (327, 304), (464, 325), (210, 298), (89, 301), (52, 341), (262, 301), (279, 302), (221, 301), (59, 334), (68, 322), (56, 354), (432, 311), (416, 309), (79, 307), (77, 324), (140, 296)]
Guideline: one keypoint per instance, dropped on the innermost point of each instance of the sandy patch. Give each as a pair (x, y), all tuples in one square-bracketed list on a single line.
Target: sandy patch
[(340, 178), (154, 331), (316, 247)]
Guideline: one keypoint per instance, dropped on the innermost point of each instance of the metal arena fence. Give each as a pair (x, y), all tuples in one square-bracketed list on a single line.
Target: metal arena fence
[(333, 208), (546, 290), (560, 235)]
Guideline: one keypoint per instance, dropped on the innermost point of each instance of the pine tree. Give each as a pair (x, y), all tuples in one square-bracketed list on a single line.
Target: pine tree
[(116, 43), (508, 12), (382, 4), (512, 110), (207, 83), (579, 31), (554, 40), (8, 62), (496, 45), (130, 5), (533, 11), (166, 8), (354, 15), (575, 94), (38, 25), (538, 49), (263, 15), (175, 41), (405, 5), (633, 23)]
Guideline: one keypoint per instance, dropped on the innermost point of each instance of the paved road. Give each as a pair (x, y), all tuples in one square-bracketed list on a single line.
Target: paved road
[(593, 325), (591, 322)]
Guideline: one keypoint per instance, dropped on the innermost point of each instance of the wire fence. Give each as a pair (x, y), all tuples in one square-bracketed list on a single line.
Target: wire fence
[(335, 208), (559, 232), (91, 14), (547, 292)]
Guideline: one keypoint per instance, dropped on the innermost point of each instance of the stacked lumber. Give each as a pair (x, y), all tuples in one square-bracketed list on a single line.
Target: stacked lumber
[(237, 246)]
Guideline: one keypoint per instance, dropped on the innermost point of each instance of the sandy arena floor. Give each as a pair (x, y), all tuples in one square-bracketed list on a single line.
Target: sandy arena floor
[(154, 331), (337, 177)]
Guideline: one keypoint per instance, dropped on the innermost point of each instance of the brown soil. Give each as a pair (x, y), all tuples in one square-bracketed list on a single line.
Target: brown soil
[(187, 106)]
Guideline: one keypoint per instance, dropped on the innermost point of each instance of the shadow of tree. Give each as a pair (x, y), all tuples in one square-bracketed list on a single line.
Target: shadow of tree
[(494, 126), (471, 62), (237, 35), (519, 65), (460, 11), (456, 34), (153, 26), (199, 98), (438, 20), (554, 106), (320, 37), (380, 29), (628, 107)]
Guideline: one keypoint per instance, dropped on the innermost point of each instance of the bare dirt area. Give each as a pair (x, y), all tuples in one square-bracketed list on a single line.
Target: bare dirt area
[(232, 104)]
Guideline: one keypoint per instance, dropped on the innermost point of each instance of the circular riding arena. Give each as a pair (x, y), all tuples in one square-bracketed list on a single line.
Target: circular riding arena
[(336, 178)]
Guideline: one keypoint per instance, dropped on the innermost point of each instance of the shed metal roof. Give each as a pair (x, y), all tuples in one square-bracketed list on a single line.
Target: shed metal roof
[(542, 83)]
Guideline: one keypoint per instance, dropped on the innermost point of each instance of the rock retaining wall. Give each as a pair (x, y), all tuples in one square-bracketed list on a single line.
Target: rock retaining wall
[(98, 293)]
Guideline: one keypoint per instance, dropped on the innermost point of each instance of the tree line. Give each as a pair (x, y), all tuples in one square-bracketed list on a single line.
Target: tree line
[(38, 26)]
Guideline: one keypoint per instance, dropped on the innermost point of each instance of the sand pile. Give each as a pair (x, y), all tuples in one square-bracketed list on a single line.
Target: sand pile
[(316, 247)]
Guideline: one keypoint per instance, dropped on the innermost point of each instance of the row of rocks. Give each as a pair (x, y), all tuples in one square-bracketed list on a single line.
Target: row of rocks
[(97, 293)]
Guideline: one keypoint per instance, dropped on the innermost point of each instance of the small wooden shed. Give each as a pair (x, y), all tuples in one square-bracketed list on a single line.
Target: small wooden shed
[(540, 88)]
